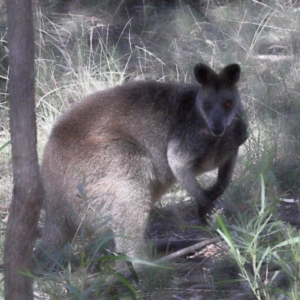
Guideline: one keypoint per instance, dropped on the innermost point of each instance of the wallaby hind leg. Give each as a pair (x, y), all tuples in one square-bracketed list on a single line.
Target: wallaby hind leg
[(48, 250), (121, 195), (130, 212), (122, 209)]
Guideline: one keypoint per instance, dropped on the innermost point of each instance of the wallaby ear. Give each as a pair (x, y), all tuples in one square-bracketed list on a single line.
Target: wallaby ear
[(204, 74), (231, 73)]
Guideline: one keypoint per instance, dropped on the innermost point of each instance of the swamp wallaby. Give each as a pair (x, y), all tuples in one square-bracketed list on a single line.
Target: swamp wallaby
[(127, 145)]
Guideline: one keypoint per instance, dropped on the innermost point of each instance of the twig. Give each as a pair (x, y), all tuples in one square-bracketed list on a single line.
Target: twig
[(187, 250), (164, 259)]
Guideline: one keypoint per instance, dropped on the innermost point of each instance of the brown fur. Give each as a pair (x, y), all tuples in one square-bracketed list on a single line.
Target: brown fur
[(127, 145)]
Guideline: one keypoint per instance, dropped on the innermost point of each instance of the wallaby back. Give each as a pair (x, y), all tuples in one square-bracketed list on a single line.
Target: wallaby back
[(118, 151)]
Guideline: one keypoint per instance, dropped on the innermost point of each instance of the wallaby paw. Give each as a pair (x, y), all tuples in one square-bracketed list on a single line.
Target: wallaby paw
[(204, 212), (212, 194)]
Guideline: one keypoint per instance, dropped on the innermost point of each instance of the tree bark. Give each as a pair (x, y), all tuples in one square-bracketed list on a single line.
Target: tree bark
[(27, 191)]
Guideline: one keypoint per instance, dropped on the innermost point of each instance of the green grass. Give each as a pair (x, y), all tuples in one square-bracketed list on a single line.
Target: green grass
[(75, 58), (258, 243)]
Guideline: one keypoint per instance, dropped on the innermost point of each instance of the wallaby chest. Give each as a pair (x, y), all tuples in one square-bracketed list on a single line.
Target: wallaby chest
[(212, 152)]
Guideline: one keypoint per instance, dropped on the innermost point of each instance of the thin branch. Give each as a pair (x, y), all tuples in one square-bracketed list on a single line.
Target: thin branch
[(187, 250), (162, 260)]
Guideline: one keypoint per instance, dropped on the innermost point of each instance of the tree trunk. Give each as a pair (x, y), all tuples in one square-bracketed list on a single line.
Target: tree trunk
[(27, 191)]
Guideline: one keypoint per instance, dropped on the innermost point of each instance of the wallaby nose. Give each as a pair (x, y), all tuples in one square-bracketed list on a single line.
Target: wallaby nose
[(217, 130)]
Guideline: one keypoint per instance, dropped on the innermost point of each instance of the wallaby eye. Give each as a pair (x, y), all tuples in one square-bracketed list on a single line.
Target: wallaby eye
[(228, 104)]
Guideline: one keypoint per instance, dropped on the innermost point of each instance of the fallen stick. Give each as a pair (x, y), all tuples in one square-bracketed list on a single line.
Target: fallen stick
[(187, 250), (128, 274)]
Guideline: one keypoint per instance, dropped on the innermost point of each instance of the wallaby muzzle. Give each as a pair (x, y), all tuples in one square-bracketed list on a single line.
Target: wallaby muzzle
[(217, 130), (217, 122)]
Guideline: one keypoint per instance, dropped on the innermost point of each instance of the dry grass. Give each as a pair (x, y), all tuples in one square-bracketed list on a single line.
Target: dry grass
[(95, 48)]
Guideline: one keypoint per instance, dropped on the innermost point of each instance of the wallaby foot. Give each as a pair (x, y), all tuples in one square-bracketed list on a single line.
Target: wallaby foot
[(205, 211)]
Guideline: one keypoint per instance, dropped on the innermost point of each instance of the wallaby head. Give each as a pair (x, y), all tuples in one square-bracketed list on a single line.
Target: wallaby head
[(218, 100)]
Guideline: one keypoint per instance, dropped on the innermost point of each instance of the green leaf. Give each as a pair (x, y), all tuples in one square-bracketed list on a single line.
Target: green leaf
[(291, 241), (131, 289), (4, 145)]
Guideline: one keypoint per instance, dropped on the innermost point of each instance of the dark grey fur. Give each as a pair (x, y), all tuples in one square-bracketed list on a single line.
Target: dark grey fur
[(127, 145)]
